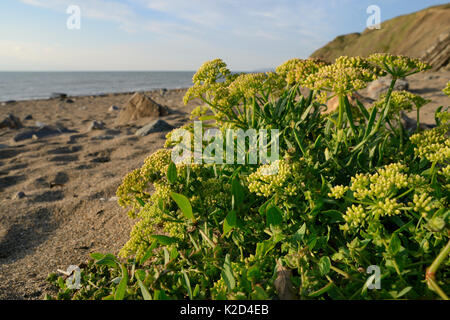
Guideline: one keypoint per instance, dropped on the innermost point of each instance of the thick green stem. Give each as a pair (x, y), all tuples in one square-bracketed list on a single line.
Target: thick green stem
[(431, 271), (341, 111), (387, 103), (418, 120)]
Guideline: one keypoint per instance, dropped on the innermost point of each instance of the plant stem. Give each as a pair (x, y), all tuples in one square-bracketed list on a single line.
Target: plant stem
[(385, 110), (431, 272), (341, 111), (418, 120)]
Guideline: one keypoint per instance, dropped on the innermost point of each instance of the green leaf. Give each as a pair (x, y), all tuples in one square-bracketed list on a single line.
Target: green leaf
[(160, 295), (230, 222), (196, 290), (403, 292), (174, 253), (300, 234), (274, 216), (259, 293), (140, 201), (97, 256), (394, 244), (363, 109), (264, 247), (188, 284), (149, 252), (166, 256), (164, 240), (348, 110), (227, 274), (140, 276), (108, 260), (324, 265), (122, 286), (237, 193), (334, 215), (184, 204), (172, 172)]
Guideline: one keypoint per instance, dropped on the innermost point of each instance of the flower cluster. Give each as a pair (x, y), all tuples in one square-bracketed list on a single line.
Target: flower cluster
[(423, 203), (271, 177), (338, 192), (434, 145), (447, 89), (345, 76), (397, 65), (210, 82), (249, 85), (297, 70), (401, 101), (381, 184)]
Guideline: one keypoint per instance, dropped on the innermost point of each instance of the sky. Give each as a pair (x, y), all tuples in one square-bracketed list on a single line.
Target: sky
[(141, 35)]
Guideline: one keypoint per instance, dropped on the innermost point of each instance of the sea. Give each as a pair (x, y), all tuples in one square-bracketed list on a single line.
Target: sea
[(41, 85)]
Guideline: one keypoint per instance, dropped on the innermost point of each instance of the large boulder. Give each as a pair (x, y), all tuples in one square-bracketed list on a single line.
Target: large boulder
[(140, 106), (380, 86), (10, 121)]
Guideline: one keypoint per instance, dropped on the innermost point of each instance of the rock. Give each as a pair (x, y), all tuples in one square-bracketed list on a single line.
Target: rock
[(155, 126), (410, 124), (380, 86), (96, 125), (102, 137), (140, 106), (438, 56), (113, 108), (28, 117), (69, 101), (58, 95), (11, 121), (41, 132), (333, 103), (19, 195)]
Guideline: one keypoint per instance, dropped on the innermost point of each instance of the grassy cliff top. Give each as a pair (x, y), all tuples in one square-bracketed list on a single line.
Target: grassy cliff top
[(410, 34)]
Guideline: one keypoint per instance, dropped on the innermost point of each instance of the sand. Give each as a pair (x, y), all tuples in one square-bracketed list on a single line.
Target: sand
[(69, 181)]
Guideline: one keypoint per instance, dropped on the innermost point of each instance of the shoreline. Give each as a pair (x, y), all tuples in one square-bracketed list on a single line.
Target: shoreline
[(95, 95)]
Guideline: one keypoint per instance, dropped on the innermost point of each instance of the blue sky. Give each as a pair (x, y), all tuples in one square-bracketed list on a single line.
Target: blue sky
[(177, 34)]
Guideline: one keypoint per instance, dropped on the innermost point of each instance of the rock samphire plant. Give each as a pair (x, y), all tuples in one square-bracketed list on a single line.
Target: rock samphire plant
[(353, 191)]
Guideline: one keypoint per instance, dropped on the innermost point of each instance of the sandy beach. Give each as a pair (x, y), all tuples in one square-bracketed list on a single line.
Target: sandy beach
[(57, 193)]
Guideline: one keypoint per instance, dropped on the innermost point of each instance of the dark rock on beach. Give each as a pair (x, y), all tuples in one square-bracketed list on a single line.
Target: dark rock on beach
[(11, 121), (155, 126)]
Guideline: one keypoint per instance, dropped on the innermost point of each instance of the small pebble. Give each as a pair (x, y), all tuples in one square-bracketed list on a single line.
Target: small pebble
[(20, 195)]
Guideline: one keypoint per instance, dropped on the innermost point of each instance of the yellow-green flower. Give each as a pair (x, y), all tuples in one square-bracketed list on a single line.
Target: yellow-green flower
[(433, 144), (447, 89), (297, 70), (401, 101), (398, 66), (255, 84), (345, 76)]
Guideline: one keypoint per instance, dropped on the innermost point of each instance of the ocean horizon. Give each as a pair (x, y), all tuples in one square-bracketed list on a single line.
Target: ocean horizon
[(31, 85)]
